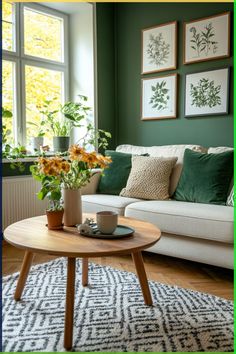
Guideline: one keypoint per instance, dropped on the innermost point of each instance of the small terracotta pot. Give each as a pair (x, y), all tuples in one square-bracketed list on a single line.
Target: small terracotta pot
[(55, 219)]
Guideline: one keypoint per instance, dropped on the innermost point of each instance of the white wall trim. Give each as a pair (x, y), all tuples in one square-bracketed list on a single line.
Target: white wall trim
[(95, 66)]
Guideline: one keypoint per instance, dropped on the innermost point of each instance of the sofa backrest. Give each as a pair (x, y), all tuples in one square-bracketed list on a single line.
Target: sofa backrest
[(219, 149), (164, 151)]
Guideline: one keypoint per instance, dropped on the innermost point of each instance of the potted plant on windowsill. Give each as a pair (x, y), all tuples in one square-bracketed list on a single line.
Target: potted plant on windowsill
[(37, 141), (72, 114), (59, 128)]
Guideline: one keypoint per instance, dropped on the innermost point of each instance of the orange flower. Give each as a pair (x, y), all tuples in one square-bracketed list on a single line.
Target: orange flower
[(52, 172), (90, 159), (76, 152), (103, 161), (43, 161), (56, 163), (65, 166), (50, 166)]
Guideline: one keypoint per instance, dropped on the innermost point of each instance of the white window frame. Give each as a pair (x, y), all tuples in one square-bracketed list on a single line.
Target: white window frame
[(21, 60)]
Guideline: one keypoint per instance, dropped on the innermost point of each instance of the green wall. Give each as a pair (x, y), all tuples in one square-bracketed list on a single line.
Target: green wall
[(125, 22), (105, 19)]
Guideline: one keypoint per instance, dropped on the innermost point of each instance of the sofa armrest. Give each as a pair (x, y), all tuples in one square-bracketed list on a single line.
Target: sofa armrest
[(91, 186)]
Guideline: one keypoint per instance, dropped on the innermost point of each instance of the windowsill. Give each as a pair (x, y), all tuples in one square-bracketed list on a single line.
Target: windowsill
[(27, 161), (30, 158), (24, 159)]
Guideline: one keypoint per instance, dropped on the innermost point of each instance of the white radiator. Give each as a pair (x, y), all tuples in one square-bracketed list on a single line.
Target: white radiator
[(19, 200)]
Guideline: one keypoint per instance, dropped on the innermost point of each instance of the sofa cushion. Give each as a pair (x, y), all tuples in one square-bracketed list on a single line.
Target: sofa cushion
[(99, 202), (206, 221), (149, 178), (205, 178), (218, 150), (114, 178), (164, 151)]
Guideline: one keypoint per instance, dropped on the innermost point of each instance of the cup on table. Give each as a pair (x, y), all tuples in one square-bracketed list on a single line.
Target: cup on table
[(107, 221)]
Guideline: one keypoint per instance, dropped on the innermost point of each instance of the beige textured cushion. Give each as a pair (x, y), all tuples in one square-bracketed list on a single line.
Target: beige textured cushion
[(149, 178)]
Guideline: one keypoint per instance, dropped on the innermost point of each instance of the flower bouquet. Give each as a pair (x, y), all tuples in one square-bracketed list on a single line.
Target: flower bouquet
[(57, 173)]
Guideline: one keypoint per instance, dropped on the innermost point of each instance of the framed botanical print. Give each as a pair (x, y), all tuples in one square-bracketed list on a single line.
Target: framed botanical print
[(207, 93), (207, 38), (159, 48), (159, 97)]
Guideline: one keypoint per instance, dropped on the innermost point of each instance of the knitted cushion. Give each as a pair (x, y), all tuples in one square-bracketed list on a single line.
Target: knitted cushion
[(149, 178)]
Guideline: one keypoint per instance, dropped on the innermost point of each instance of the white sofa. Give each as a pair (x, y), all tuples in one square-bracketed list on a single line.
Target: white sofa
[(193, 231)]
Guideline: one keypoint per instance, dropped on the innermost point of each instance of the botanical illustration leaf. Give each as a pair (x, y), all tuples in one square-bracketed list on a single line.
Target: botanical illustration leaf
[(158, 50), (160, 97), (205, 94), (204, 41)]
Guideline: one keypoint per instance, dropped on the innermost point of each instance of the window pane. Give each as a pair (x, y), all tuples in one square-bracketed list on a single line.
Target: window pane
[(8, 27), (40, 85), (8, 86), (43, 35), (7, 11)]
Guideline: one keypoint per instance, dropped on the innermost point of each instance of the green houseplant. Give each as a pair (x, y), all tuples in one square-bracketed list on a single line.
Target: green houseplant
[(5, 131), (72, 112), (59, 128), (37, 141), (10, 152)]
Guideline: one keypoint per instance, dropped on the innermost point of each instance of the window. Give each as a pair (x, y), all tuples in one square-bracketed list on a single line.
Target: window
[(40, 32), (8, 26), (35, 68), (8, 97), (41, 84)]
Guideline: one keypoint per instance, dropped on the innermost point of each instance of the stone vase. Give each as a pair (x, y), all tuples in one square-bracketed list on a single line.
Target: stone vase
[(72, 206)]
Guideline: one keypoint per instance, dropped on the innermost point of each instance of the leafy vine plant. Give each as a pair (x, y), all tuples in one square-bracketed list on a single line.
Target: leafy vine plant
[(205, 94), (160, 97), (157, 50), (203, 41)]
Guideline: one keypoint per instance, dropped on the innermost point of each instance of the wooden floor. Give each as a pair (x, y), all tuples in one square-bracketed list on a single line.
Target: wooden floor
[(167, 270)]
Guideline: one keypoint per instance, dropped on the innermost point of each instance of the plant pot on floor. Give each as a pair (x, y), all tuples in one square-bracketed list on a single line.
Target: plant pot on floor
[(55, 219), (72, 206), (61, 143)]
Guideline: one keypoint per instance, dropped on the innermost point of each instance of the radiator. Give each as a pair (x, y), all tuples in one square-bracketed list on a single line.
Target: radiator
[(19, 200)]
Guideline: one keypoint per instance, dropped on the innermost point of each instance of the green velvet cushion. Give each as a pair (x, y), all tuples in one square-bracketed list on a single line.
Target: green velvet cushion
[(205, 178), (116, 175)]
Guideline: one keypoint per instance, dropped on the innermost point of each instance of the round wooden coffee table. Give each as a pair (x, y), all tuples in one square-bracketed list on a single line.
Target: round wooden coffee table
[(34, 237)]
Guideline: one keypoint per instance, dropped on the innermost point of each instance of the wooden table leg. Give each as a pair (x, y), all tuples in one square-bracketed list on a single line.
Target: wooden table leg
[(84, 271), (138, 261), (27, 261), (70, 295)]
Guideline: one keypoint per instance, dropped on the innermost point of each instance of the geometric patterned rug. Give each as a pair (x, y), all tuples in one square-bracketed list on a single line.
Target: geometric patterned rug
[(110, 314)]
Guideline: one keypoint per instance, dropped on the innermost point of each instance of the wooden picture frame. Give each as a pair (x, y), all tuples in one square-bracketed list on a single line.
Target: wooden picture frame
[(207, 93), (159, 48), (207, 38), (159, 97)]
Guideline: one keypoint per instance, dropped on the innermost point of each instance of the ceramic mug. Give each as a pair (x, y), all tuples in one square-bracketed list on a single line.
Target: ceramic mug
[(106, 221)]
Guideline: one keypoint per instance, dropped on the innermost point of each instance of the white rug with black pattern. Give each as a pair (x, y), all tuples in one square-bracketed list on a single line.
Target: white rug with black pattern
[(110, 315)]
